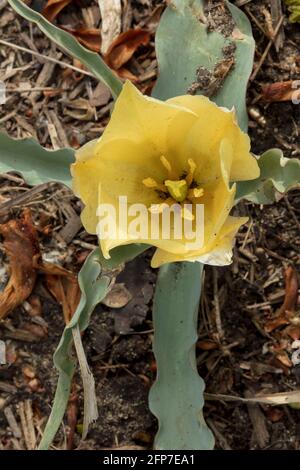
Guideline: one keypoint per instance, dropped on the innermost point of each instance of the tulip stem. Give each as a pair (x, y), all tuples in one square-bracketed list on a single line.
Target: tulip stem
[(176, 398)]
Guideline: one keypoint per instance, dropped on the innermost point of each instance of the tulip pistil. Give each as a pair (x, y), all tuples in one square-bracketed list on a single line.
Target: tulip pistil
[(173, 189), (177, 189)]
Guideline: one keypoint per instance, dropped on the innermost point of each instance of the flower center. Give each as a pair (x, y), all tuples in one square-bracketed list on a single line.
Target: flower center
[(177, 189), (184, 190)]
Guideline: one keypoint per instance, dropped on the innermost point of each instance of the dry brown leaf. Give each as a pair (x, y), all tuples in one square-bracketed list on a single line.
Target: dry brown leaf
[(284, 359), (79, 109), (273, 324), (287, 309), (207, 345), (281, 91), (100, 96), (127, 75), (124, 46), (66, 292), (21, 245), (88, 37), (291, 290), (118, 297), (293, 332), (62, 284), (53, 8)]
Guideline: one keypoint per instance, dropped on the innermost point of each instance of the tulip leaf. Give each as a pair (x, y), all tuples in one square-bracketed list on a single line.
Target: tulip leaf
[(176, 398), (94, 285), (185, 47), (277, 175), (91, 60), (192, 58), (36, 164)]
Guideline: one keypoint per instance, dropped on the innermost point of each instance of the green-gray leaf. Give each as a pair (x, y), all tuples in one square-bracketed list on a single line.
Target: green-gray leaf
[(183, 44), (36, 164), (65, 40), (94, 287), (277, 174), (176, 398)]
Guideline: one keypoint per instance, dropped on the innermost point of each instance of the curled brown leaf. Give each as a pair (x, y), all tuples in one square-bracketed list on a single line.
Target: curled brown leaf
[(22, 248), (281, 91), (124, 46), (88, 37), (53, 8)]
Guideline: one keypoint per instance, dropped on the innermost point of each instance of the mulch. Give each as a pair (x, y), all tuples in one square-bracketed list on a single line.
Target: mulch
[(249, 312)]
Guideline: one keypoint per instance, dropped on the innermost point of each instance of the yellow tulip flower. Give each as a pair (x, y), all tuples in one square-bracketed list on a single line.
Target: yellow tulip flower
[(186, 151)]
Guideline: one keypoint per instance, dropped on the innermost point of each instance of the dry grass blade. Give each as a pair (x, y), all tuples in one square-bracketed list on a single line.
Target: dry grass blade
[(283, 398), (90, 400)]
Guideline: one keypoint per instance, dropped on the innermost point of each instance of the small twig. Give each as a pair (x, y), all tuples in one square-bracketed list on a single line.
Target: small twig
[(4, 208), (220, 437), (217, 305), (37, 88), (8, 413), (266, 51), (291, 211), (26, 417), (13, 178), (276, 12), (50, 59), (255, 20)]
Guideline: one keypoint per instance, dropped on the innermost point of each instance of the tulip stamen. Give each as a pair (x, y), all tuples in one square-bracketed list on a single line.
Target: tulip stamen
[(190, 176), (195, 193), (183, 191), (151, 183), (167, 165)]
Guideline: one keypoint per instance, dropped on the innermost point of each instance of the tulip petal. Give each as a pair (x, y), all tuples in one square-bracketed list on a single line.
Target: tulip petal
[(204, 138), (140, 118), (219, 253), (121, 165)]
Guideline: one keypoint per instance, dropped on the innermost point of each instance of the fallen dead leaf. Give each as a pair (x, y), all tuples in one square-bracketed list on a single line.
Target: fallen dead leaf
[(118, 296), (273, 324), (65, 290), (286, 311), (53, 8), (63, 285), (207, 345), (100, 96), (79, 109), (293, 332), (88, 37), (21, 245), (124, 46), (281, 91), (127, 75), (284, 359), (274, 414), (291, 290), (33, 306)]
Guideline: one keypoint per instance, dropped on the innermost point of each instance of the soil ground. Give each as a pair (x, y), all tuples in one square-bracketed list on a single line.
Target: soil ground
[(241, 351)]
